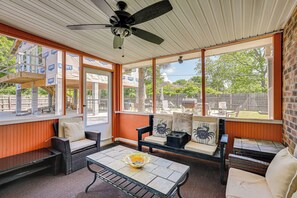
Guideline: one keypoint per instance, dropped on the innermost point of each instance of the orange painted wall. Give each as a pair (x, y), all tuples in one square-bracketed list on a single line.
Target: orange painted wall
[(20, 138), (129, 122)]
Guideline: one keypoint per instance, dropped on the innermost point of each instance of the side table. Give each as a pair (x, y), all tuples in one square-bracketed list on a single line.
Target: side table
[(24, 164), (259, 149)]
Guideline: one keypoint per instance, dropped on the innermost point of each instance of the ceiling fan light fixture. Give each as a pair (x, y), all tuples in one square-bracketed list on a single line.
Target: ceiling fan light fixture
[(121, 31), (180, 60)]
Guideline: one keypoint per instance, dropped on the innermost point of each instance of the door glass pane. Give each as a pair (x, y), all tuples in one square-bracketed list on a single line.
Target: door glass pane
[(72, 84), (97, 98)]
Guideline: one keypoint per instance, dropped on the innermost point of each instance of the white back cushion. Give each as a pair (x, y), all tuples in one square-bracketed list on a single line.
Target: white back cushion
[(162, 127), (68, 120), (74, 131), (204, 132), (182, 122), (281, 173), (209, 119)]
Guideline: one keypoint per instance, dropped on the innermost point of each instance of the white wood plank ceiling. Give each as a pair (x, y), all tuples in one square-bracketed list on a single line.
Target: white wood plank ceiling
[(192, 24)]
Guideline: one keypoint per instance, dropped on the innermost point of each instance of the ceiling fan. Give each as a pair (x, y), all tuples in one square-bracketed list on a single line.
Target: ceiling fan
[(122, 22)]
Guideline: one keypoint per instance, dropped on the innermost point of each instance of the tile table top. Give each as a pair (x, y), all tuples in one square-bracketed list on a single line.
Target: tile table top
[(257, 145)]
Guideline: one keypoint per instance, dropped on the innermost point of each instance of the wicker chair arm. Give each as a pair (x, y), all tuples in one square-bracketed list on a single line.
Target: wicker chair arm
[(224, 139), (61, 144), (92, 135), (248, 164), (96, 136), (143, 130)]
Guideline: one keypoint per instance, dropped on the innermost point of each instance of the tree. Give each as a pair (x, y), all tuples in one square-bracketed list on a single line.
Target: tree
[(5, 47), (189, 87), (5, 60), (236, 72)]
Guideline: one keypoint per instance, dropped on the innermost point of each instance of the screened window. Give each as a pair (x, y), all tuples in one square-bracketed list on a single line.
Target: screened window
[(179, 86), (137, 89), (238, 83), (40, 93)]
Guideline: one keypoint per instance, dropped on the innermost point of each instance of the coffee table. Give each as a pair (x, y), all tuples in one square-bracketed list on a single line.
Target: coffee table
[(159, 178)]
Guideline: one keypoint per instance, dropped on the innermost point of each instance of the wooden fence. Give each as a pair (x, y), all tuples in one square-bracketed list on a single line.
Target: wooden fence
[(8, 102), (248, 102)]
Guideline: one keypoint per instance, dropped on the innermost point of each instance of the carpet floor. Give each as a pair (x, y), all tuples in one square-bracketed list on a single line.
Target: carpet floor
[(204, 182)]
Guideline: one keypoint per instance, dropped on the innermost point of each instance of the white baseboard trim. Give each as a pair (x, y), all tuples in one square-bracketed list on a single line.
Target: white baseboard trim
[(105, 142), (126, 141)]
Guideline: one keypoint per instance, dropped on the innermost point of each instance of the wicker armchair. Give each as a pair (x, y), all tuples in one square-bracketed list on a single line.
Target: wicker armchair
[(246, 178), (74, 154), (255, 178)]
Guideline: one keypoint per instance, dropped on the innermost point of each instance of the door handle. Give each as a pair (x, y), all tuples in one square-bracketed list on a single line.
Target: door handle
[(84, 105)]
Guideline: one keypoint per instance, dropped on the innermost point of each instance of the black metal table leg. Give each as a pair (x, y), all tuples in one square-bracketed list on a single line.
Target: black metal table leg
[(181, 184), (95, 176)]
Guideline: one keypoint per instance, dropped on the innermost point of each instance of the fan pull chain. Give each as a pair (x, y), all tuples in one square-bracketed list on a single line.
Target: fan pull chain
[(123, 50)]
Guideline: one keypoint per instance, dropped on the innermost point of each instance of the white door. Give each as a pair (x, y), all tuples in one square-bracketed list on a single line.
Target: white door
[(98, 103)]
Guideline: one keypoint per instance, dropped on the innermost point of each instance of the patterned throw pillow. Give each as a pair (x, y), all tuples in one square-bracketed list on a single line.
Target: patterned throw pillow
[(161, 127), (204, 132), (182, 122)]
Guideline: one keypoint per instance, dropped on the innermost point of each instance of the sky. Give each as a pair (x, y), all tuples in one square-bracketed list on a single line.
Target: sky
[(178, 71)]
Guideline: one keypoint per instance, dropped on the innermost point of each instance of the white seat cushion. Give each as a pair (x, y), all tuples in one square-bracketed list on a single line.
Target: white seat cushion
[(201, 148), (154, 139), (242, 184), (74, 146)]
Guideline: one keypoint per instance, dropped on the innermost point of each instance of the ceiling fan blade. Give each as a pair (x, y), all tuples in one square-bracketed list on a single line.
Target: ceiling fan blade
[(105, 7), (118, 42), (150, 12), (147, 36), (88, 26)]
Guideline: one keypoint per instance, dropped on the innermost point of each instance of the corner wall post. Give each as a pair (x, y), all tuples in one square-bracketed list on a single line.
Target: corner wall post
[(154, 67), (203, 81)]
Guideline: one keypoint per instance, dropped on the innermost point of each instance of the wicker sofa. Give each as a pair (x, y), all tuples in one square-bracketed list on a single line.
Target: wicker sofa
[(74, 153), (250, 177), (192, 149)]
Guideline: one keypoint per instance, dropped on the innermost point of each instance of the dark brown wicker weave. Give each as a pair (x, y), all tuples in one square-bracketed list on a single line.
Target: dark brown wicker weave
[(248, 164), (72, 161)]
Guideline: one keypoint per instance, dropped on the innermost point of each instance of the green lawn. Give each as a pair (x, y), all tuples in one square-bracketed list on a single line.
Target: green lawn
[(251, 114)]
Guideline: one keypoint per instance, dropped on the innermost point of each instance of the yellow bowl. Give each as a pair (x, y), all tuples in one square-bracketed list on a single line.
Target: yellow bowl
[(136, 160)]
